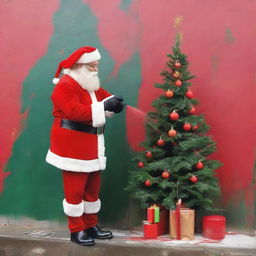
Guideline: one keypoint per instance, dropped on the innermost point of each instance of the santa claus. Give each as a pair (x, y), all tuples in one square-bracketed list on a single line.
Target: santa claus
[(80, 107)]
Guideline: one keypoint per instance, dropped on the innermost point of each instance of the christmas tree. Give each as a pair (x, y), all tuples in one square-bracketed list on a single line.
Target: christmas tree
[(174, 164)]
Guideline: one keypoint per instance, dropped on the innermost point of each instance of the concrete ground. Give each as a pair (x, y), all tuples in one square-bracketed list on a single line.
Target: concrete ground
[(19, 241)]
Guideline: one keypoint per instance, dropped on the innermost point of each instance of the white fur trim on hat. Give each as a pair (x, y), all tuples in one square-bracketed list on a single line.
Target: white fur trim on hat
[(55, 80), (92, 207), (73, 210), (89, 57)]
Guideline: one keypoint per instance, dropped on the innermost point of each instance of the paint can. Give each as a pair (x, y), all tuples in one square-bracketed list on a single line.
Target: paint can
[(214, 227)]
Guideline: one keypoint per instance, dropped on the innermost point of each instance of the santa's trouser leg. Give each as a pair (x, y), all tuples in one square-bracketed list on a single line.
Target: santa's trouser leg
[(73, 205), (92, 206), (91, 199)]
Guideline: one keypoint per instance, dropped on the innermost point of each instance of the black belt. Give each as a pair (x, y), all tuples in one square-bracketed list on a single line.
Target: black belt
[(81, 127)]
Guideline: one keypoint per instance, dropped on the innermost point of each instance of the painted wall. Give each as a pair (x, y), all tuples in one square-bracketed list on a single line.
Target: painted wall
[(133, 36)]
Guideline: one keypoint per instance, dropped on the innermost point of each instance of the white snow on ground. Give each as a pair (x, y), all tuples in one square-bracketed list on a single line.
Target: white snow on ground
[(230, 241)]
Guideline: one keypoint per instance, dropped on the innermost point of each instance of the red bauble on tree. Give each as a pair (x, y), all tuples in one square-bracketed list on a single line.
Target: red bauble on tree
[(172, 133), (187, 127), (160, 142), (192, 110), (189, 94), (148, 154), (169, 94), (140, 164), (174, 116), (165, 174), (176, 74), (177, 64), (147, 183), (193, 179), (178, 83), (195, 127), (199, 165)]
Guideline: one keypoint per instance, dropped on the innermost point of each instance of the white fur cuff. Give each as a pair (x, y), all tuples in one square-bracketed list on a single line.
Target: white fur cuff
[(98, 114), (92, 207), (73, 210)]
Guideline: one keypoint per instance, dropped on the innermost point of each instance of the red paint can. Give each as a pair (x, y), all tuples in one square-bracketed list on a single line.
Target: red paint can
[(214, 227)]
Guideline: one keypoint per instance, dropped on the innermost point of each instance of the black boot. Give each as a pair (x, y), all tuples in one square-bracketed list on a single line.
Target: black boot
[(81, 238), (96, 232)]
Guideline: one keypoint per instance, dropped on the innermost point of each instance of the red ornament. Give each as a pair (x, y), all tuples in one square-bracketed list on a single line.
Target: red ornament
[(199, 165), (193, 179), (165, 174), (140, 164), (192, 110), (187, 126), (195, 127), (176, 74), (178, 83), (147, 183), (174, 116), (177, 64), (160, 142), (169, 94), (172, 133), (148, 154), (189, 94)]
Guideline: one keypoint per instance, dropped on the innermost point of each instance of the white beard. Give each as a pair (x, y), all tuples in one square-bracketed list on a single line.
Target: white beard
[(88, 80)]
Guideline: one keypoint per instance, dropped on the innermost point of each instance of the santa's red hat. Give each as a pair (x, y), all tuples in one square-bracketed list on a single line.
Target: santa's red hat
[(85, 54)]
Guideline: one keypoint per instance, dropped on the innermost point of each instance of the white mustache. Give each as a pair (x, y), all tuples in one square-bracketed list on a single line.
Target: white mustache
[(94, 73)]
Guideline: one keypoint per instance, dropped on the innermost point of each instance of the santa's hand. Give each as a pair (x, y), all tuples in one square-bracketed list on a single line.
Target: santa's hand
[(120, 98), (119, 108), (113, 103)]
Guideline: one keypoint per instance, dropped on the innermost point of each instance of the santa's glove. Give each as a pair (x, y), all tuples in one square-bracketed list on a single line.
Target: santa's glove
[(120, 98), (119, 108), (113, 103)]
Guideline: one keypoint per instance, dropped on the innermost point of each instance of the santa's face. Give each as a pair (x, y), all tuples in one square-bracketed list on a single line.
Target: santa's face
[(86, 75), (93, 66)]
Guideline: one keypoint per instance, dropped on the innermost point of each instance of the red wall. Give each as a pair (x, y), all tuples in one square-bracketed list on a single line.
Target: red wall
[(219, 38)]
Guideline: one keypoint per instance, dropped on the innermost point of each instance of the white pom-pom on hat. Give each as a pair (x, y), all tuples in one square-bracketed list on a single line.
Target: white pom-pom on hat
[(55, 80)]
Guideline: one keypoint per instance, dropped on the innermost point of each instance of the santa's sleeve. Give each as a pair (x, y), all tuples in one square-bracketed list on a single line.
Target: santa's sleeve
[(104, 94), (66, 99)]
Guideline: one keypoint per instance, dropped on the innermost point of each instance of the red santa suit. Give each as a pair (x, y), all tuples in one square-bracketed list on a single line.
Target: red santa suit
[(80, 154), (70, 149)]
